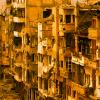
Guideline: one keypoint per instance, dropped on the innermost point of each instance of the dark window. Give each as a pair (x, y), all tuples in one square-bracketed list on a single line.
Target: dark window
[(17, 41), (56, 83), (45, 84), (61, 63), (47, 13), (32, 57), (68, 18), (61, 87), (68, 39), (74, 93)]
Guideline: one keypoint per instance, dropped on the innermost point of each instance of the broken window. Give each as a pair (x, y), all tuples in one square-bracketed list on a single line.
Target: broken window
[(68, 18), (45, 84), (17, 41), (47, 13)]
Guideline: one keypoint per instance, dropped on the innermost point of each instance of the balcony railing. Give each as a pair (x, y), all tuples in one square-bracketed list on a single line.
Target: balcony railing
[(18, 5), (77, 87), (80, 60), (66, 27), (18, 19)]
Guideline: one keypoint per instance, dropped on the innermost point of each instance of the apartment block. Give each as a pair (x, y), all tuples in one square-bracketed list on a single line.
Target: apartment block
[(51, 48)]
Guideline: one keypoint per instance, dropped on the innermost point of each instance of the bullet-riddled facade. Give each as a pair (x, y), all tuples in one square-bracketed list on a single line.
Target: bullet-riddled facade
[(51, 48), (67, 69)]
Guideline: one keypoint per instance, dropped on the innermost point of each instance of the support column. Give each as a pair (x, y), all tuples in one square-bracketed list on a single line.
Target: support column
[(76, 43)]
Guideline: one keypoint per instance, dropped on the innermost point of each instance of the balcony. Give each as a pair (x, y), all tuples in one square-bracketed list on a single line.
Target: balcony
[(69, 27), (80, 89), (66, 27), (47, 71), (18, 19), (81, 60), (94, 33), (92, 64), (18, 5)]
